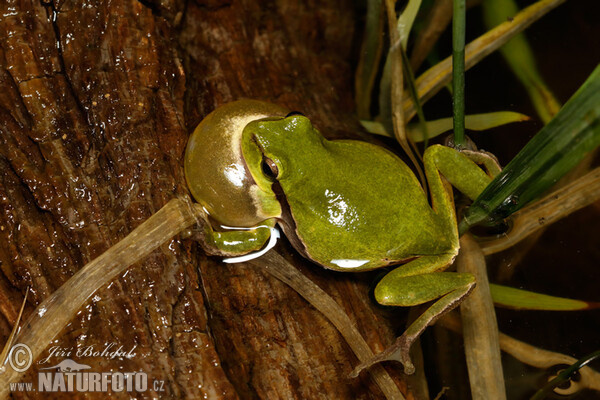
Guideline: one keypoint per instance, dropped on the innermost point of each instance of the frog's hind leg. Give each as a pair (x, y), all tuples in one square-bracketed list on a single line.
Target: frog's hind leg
[(460, 169), (421, 280), (416, 283)]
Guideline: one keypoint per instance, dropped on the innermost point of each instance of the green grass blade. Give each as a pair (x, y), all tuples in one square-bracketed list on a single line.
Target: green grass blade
[(558, 147), (458, 71), (371, 51), (519, 56), (509, 297)]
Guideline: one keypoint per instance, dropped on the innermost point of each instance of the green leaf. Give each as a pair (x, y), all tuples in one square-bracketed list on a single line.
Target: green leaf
[(553, 151), (505, 296)]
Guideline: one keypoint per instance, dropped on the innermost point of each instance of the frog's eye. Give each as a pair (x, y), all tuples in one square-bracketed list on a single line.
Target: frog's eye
[(291, 114), (269, 168)]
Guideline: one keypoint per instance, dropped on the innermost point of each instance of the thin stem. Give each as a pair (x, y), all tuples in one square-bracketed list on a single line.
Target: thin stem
[(56, 311), (280, 268), (578, 194), (565, 375), (531, 355), (480, 329), (458, 71)]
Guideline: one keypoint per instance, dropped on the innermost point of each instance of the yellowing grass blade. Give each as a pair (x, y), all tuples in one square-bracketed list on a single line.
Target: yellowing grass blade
[(406, 20), (519, 56), (11, 337), (475, 122), (505, 296), (436, 77), (396, 89), (375, 128)]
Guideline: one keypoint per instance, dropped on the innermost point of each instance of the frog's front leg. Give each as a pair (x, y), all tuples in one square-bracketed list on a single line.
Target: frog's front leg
[(231, 243), (416, 283)]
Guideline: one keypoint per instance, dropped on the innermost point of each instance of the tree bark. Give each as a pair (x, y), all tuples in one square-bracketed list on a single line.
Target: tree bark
[(96, 103)]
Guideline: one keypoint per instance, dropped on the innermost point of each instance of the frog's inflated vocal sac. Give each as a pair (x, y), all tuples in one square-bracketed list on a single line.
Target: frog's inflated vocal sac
[(344, 204)]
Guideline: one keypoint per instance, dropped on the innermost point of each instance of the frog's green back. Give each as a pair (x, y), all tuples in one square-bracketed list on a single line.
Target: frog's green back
[(354, 204)]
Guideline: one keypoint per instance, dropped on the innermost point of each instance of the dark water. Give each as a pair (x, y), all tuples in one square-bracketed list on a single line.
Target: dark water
[(565, 261)]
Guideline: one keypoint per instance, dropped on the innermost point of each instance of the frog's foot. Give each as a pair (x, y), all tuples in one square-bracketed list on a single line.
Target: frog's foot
[(481, 157), (399, 351), (485, 158), (449, 288)]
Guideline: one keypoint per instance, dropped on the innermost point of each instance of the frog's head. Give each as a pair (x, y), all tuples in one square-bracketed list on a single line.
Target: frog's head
[(248, 162), (289, 157), (278, 149)]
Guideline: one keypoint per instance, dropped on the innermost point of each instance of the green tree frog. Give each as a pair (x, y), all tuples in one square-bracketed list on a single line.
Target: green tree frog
[(347, 205)]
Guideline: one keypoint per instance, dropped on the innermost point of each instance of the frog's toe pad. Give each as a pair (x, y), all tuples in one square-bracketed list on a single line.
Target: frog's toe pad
[(399, 351)]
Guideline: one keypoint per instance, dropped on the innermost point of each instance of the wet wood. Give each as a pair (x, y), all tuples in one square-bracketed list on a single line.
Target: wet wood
[(96, 104)]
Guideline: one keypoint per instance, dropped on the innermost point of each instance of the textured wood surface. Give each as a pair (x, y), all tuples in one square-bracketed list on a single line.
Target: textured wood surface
[(97, 99)]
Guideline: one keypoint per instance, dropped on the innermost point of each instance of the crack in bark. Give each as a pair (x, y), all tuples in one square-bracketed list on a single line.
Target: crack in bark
[(51, 7)]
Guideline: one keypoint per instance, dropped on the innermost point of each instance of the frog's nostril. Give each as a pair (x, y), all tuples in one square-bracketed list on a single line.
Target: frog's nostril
[(291, 114)]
